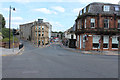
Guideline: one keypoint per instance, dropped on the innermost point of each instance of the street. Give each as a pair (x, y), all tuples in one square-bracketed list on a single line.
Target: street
[(56, 62)]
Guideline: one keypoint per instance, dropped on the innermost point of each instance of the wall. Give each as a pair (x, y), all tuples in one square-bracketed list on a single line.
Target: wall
[(6, 45)]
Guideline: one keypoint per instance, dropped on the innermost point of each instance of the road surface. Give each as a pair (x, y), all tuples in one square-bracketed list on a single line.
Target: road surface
[(56, 62)]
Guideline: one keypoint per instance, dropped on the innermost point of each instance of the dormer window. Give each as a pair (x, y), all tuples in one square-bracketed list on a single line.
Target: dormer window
[(84, 10), (106, 8), (81, 12), (116, 8)]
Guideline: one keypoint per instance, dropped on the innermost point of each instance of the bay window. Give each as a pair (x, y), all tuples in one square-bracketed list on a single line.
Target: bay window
[(106, 23), (92, 23)]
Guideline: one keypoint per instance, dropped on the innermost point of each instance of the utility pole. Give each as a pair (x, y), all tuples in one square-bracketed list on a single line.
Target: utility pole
[(10, 22)]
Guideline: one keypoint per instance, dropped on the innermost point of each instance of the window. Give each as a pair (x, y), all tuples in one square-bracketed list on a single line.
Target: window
[(39, 33), (92, 23), (36, 33), (106, 23), (96, 39), (39, 27), (119, 24), (105, 45), (105, 42), (84, 10), (81, 12), (89, 8), (85, 23), (42, 33), (77, 41), (36, 27), (42, 27), (95, 45), (114, 45), (114, 42), (116, 8), (71, 36), (78, 25), (106, 8)]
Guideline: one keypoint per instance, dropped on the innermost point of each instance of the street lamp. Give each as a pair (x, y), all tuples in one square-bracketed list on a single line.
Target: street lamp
[(10, 22)]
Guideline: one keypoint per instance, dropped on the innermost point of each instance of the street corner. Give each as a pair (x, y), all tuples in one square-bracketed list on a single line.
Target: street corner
[(20, 51)]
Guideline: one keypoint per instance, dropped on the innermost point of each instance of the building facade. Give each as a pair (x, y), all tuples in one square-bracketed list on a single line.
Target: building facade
[(41, 34), (25, 31), (38, 32), (98, 27), (69, 34)]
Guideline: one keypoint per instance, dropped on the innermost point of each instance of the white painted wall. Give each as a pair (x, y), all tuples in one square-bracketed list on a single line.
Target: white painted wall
[(68, 36)]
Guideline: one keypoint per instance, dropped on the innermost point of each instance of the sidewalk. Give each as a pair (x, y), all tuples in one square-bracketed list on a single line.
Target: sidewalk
[(91, 52), (9, 52)]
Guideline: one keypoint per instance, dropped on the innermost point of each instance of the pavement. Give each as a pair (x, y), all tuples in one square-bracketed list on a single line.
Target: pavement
[(112, 53), (10, 52), (56, 62)]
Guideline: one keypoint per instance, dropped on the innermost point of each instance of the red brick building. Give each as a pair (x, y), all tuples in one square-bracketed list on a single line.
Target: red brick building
[(98, 27)]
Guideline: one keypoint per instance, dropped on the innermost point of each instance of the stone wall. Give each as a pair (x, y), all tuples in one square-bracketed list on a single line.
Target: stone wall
[(6, 44)]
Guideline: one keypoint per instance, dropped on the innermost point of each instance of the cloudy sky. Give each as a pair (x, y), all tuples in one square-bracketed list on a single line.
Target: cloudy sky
[(60, 13)]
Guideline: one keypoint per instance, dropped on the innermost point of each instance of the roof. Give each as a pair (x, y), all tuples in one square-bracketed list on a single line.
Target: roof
[(97, 7)]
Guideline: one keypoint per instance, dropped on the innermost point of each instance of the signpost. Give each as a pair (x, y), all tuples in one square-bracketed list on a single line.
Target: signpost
[(14, 33)]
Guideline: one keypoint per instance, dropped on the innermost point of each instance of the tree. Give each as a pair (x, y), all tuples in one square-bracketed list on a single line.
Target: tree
[(3, 22), (5, 33)]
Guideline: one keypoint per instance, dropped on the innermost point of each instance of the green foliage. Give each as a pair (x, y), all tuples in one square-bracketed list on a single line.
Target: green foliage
[(0, 34), (11, 39), (5, 33), (3, 22)]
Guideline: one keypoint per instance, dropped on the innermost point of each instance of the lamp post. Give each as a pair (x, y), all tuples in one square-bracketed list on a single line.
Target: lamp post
[(10, 22)]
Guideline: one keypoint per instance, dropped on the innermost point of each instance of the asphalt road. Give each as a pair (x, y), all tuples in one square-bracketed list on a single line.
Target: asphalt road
[(56, 62)]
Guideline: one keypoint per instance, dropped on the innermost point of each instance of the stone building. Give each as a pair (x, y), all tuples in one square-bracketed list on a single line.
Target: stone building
[(38, 32), (98, 27), (25, 31)]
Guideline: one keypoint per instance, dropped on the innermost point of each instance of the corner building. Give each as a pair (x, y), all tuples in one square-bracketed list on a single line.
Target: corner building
[(98, 27)]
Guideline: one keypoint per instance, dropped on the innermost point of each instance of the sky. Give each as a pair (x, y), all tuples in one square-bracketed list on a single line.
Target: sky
[(61, 14)]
